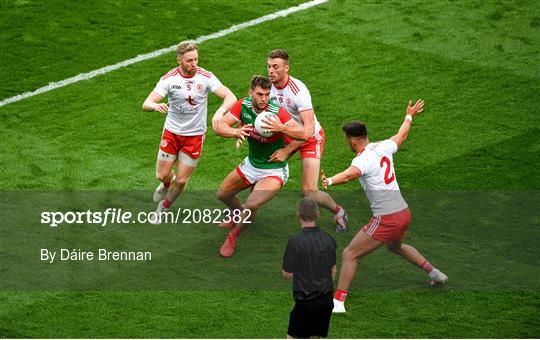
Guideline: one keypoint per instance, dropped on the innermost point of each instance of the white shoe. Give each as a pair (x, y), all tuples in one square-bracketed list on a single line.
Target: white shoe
[(160, 193), (339, 307), (155, 218), (437, 277), (341, 218)]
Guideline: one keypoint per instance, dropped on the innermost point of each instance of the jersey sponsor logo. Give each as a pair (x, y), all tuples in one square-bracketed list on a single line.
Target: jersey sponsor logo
[(191, 101), (246, 117)]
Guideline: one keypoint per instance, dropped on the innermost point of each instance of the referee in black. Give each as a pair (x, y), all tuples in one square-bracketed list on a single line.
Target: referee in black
[(310, 260)]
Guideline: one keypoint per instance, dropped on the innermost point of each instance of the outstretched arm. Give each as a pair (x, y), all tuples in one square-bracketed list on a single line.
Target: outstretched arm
[(403, 132), (229, 99), (343, 177)]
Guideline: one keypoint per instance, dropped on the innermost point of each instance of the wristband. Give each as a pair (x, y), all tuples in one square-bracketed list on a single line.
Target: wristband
[(329, 181), (408, 117)]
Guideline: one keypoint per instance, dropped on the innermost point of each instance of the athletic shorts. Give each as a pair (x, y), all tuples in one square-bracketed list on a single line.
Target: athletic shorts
[(387, 228), (310, 320), (252, 175), (172, 144), (312, 148)]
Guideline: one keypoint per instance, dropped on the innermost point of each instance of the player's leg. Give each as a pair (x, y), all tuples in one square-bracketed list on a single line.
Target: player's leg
[(185, 167), (188, 153), (232, 185), (360, 246), (167, 154), (263, 191), (310, 188), (396, 245), (229, 188), (412, 255), (164, 172)]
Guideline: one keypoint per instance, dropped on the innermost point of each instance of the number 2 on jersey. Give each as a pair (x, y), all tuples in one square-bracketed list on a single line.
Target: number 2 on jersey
[(389, 177)]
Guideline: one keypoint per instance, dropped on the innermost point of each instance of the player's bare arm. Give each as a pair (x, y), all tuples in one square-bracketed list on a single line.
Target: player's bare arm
[(153, 103), (229, 99), (224, 128), (403, 132), (334, 272), (307, 117), (350, 174), (287, 275), (291, 128), (308, 121)]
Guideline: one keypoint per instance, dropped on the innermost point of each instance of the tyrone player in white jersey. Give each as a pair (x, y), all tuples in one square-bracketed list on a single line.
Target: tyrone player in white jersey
[(374, 166), (187, 88), (292, 95)]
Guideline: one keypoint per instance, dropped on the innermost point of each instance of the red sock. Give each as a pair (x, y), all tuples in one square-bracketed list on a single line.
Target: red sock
[(166, 203), (341, 295), (427, 267), (337, 209), (235, 232)]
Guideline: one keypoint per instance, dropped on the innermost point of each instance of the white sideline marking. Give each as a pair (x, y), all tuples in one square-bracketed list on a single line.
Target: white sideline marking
[(141, 57)]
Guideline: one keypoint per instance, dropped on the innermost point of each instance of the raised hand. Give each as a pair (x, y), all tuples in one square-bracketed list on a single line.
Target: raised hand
[(416, 108)]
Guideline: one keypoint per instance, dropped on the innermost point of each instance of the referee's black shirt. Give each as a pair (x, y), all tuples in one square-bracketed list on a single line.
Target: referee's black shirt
[(310, 256)]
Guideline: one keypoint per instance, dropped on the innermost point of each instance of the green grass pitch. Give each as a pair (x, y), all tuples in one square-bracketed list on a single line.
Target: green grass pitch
[(469, 169)]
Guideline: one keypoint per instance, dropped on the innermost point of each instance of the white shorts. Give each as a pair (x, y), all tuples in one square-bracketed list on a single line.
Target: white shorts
[(252, 175)]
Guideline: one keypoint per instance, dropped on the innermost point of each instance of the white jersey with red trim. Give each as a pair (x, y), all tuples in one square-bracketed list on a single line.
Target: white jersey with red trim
[(379, 178), (294, 97), (188, 100)]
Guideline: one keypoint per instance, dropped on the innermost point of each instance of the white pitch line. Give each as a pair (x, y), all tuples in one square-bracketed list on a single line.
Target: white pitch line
[(141, 57)]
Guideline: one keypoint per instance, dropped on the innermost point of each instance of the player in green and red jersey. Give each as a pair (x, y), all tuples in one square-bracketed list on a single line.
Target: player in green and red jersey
[(266, 178)]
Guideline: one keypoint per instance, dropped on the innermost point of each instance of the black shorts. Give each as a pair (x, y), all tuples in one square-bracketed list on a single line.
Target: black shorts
[(308, 320)]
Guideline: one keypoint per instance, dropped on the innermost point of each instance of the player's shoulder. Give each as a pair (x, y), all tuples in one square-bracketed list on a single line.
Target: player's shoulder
[(297, 86), (274, 107), (205, 73), (384, 146), (246, 101), (174, 72)]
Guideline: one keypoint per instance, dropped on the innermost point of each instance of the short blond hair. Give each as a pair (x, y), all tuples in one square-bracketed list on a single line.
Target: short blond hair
[(186, 46)]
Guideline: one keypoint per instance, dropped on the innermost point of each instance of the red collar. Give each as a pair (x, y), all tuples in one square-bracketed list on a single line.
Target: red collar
[(184, 76)]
